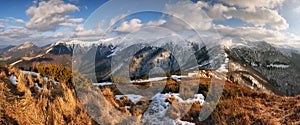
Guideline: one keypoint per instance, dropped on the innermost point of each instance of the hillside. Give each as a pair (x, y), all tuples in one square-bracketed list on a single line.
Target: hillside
[(44, 98)]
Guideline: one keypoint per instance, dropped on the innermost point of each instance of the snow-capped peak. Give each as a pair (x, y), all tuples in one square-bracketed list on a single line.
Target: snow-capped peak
[(227, 43), (26, 45)]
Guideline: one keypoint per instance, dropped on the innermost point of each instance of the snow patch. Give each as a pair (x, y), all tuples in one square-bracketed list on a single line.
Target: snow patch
[(30, 73), (223, 66), (46, 79), (162, 97), (149, 80), (180, 122), (197, 97), (38, 87), (13, 79), (14, 63), (278, 66), (26, 45), (156, 113), (102, 84), (177, 78), (49, 50), (133, 98)]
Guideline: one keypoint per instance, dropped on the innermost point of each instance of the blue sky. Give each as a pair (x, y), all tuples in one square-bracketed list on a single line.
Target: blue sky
[(44, 22)]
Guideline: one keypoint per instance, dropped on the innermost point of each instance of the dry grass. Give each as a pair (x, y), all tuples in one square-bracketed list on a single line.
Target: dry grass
[(239, 105), (22, 104)]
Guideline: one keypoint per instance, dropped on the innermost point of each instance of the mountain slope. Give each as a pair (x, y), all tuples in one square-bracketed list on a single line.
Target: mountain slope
[(280, 70)]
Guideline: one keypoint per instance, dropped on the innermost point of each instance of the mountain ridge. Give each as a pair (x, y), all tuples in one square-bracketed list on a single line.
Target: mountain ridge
[(212, 58)]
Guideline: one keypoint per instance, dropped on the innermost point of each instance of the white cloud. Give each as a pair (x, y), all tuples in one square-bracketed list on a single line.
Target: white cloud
[(259, 13), (114, 20), (20, 21), (9, 20), (297, 10), (81, 33), (136, 24), (253, 34), (252, 4), (14, 35), (48, 16), (1, 27), (131, 26), (18, 35), (59, 34), (217, 11), (16, 32), (88, 33), (156, 23), (260, 17), (75, 20), (188, 16), (72, 22)]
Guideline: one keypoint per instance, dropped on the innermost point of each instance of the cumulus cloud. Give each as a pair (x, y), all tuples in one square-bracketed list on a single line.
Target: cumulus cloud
[(261, 17), (217, 11), (252, 4), (259, 13), (129, 26), (48, 16), (188, 16), (88, 34), (251, 33), (136, 24)]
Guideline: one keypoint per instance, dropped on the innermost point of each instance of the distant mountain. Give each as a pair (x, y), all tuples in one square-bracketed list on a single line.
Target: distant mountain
[(14, 53), (58, 53), (5, 46)]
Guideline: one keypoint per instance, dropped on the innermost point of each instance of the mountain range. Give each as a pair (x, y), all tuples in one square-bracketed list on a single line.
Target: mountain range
[(256, 65)]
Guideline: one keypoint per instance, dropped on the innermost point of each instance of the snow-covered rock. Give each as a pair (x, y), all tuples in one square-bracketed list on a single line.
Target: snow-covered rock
[(156, 113)]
